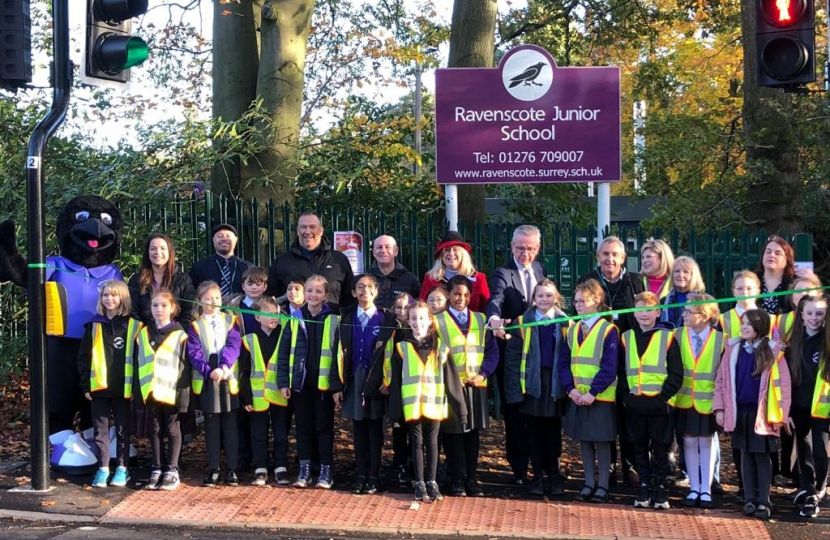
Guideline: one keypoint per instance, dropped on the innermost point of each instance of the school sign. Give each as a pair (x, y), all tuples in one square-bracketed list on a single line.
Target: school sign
[(527, 121)]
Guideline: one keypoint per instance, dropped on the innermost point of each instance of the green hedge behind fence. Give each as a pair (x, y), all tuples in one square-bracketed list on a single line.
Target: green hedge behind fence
[(266, 230)]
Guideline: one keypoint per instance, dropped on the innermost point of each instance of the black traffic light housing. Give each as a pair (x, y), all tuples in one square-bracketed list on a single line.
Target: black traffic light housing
[(785, 42), (15, 44), (111, 50)]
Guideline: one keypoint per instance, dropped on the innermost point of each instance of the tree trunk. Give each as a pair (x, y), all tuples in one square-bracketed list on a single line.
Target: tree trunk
[(285, 28), (775, 188), (235, 64), (472, 44)]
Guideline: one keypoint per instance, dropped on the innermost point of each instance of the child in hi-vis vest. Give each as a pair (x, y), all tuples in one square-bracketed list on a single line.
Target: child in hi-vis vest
[(306, 368), (213, 349), (588, 371), (105, 363), (752, 402), (807, 360), (260, 395), (164, 378), (531, 378), (701, 350)]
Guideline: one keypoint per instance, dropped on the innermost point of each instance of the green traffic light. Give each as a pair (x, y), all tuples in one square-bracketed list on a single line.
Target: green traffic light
[(114, 53)]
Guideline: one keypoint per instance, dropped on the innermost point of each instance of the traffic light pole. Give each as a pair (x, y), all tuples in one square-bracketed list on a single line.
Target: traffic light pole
[(61, 84)]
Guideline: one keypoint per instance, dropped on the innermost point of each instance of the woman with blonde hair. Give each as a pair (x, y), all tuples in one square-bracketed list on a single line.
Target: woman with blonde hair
[(453, 257), (685, 278), (656, 262)]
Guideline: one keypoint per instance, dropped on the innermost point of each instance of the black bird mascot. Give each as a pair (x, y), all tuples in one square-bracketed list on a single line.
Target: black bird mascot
[(89, 236), (528, 76)]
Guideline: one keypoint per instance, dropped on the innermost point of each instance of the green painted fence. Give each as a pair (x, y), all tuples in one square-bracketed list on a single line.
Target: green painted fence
[(265, 230)]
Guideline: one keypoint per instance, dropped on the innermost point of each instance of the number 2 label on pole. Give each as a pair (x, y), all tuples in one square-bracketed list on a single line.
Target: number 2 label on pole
[(32, 162)]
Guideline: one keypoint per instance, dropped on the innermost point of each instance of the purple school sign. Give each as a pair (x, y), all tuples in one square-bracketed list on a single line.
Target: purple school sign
[(527, 121)]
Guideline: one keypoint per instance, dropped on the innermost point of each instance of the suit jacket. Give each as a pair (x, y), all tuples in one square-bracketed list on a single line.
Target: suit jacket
[(507, 299), (208, 270)]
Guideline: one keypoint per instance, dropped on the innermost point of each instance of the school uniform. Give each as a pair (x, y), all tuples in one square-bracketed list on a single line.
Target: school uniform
[(752, 419), (654, 374), (109, 378), (166, 394), (473, 350), (309, 374), (362, 333), (425, 385), (214, 342), (809, 414), (268, 405), (537, 388)]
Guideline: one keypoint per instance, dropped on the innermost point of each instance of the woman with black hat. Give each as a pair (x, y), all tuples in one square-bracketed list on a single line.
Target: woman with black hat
[(452, 257)]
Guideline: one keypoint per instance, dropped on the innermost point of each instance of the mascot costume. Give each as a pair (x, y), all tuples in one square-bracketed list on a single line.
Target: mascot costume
[(89, 236)]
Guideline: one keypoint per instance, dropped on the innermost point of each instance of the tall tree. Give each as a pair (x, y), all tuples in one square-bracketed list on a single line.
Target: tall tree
[(259, 51), (472, 44)]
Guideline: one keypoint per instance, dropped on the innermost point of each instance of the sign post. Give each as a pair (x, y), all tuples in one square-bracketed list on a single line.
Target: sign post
[(527, 120)]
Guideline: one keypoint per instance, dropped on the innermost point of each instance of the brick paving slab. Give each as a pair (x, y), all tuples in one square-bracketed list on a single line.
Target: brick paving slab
[(287, 508)]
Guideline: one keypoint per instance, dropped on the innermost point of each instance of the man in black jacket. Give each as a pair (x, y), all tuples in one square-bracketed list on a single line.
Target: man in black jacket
[(223, 267), (310, 254), (620, 286), (393, 277), (511, 294)]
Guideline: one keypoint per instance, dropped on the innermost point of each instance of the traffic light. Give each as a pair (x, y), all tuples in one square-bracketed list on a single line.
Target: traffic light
[(785, 42), (15, 44), (110, 49)]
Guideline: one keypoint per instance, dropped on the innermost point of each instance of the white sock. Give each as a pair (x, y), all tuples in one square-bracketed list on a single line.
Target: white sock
[(692, 454), (707, 464)]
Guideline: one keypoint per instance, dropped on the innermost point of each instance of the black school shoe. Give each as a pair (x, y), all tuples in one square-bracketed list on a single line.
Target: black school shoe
[(359, 485), (433, 492), (420, 491), (231, 479), (474, 489), (556, 488), (373, 486), (212, 479)]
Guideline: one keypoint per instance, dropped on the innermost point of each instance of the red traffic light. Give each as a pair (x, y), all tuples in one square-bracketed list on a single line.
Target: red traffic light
[(783, 13)]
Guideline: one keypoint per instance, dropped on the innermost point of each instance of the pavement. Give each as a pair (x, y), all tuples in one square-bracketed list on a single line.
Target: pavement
[(290, 512)]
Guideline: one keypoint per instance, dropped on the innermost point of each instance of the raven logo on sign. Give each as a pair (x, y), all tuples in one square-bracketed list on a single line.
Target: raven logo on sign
[(527, 74)]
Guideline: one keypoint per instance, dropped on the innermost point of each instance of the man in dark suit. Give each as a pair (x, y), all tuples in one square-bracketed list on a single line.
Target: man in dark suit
[(620, 286), (511, 294), (223, 267)]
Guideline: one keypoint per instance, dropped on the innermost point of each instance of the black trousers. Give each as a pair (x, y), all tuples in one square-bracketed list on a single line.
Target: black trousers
[(400, 446), (651, 436), (314, 411), (626, 452), (544, 438), (423, 437), (463, 450), (221, 431), (244, 436), (515, 431), (368, 446), (63, 385), (279, 419), (165, 423), (756, 471), (119, 410), (811, 445)]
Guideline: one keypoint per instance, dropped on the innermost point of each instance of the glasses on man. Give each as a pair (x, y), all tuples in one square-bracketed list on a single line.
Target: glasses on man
[(523, 249)]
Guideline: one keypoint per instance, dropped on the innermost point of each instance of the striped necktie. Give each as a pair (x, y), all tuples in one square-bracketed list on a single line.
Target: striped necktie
[(226, 278)]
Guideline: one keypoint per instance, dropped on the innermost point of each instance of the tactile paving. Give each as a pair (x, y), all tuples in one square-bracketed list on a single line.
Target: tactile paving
[(337, 510)]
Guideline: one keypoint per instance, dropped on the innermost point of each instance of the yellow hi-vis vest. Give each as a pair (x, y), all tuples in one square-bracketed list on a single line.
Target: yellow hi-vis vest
[(587, 356), (527, 337), (467, 351), (388, 349), (775, 403), (259, 370), (422, 385), (646, 373), (158, 370), (731, 324), (98, 371), (781, 328), (327, 352), (205, 333), (665, 289), (821, 396), (272, 389), (699, 372)]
